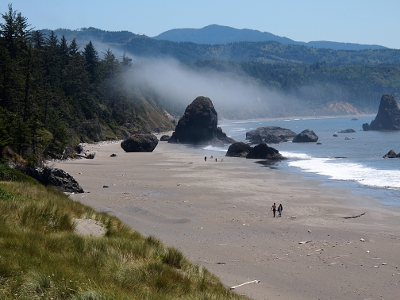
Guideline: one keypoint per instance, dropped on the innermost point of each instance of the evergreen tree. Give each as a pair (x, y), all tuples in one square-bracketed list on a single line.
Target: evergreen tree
[(14, 31), (92, 60), (73, 48)]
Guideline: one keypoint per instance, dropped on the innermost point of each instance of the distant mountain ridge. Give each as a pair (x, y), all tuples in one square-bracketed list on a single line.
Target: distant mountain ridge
[(217, 34)]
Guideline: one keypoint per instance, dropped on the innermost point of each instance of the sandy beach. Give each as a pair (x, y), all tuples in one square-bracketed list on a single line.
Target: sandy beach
[(328, 244)]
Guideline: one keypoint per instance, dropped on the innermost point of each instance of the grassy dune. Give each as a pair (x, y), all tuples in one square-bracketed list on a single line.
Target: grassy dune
[(42, 258)]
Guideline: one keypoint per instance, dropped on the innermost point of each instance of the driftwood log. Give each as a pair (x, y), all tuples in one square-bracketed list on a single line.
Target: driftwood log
[(353, 217)]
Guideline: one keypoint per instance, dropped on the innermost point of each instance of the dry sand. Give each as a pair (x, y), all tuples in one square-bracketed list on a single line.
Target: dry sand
[(218, 214)]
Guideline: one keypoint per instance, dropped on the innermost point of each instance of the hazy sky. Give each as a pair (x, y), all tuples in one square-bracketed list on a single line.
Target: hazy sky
[(353, 21)]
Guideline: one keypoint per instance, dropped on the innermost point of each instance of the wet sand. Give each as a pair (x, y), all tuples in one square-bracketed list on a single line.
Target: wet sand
[(328, 244)]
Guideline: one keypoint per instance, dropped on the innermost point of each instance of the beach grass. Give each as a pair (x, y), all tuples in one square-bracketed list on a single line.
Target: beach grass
[(42, 258)]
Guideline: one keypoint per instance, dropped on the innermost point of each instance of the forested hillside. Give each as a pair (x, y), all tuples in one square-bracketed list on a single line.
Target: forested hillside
[(54, 94), (324, 80)]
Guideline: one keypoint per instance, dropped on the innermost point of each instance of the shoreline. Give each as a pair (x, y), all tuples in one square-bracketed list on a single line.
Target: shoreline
[(218, 215), (293, 118)]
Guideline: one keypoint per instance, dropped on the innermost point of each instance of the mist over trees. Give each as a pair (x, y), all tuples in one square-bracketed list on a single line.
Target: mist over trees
[(54, 95), (315, 79)]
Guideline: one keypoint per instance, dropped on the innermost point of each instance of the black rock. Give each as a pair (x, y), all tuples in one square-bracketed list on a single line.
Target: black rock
[(58, 178), (365, 126), (391, 154), (262, 151), (347, 131), (198, 125), (238, 149), (270, 135), (388, 117), (305, 136), (79, 148), (140, 143)]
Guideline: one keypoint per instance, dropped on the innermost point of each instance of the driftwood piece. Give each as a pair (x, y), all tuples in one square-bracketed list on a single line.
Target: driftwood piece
[(304, 242), (353, 217), (236, 286)]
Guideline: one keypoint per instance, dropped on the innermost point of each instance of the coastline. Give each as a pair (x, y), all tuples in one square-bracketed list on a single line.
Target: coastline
[(218, 214)]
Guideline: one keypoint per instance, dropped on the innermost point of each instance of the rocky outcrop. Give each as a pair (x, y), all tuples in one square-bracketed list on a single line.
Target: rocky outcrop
[(261, 151), (238, 149), (347, 131), (388, 117), (305, 136), (198, 125), (58, 178), (270, 135), (391, 154), (140, 143)]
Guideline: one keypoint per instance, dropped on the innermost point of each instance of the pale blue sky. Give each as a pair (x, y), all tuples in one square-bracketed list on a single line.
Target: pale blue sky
[(352, 21)]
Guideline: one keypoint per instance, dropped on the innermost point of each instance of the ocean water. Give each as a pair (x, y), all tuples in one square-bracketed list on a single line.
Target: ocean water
[(350, 160)]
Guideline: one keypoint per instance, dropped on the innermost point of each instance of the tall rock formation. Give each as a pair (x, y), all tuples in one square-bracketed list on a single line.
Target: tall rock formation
[(198, 125), (388, 117)]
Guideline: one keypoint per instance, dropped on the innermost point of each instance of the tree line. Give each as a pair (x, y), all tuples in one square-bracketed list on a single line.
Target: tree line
[(54, 94)]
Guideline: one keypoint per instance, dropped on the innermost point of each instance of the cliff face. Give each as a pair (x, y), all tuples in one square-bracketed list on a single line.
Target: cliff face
[(388, 117)]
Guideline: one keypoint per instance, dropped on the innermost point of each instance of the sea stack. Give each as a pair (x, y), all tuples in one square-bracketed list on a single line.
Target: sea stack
[(198, 125), (388, 117)]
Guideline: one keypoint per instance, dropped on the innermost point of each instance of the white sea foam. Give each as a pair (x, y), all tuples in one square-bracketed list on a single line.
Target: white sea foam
[(340, 169), (238, 129), (295, 155), (212, 148)]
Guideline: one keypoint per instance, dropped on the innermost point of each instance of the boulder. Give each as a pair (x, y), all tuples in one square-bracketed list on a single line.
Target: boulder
[(198, 125), (270, 135), (58, 178), (79, 148), (262, 151), (388, 117), (165, 138), (238, 149), (305, 136), (90, 155), (391, 154), (365, 126), (140, 143), (347, 131)]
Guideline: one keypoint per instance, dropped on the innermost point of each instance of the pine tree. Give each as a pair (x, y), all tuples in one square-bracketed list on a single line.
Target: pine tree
[(92, 61)]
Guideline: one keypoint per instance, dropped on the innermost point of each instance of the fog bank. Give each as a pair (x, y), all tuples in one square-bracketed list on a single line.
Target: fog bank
[(178, 85)]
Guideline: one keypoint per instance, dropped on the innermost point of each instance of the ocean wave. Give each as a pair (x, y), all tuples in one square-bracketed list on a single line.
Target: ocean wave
[(212, 148), (339, 169)]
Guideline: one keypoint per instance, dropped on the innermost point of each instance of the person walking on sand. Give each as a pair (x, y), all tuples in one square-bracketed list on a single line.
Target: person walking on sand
[(273, 208), (280, 208)]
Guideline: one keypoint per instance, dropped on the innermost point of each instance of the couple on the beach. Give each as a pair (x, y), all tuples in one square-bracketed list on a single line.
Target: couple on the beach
[(280, 208)]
